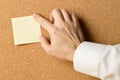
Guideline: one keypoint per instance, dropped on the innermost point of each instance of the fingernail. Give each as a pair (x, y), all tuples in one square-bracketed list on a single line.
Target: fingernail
[(35, 14)]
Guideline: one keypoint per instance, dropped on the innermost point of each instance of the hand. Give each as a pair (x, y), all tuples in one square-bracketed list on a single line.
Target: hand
[(65, 34)]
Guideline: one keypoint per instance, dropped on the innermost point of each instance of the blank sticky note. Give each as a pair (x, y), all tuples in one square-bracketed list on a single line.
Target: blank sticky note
[(25, 30)]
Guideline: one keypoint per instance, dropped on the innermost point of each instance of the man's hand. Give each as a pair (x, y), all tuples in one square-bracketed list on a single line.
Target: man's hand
[(65, 34)]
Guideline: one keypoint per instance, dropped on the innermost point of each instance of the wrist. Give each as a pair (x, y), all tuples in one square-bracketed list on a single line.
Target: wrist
[(70, 56)]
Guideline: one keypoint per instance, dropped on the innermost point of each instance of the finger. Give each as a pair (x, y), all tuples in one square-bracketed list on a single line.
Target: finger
[(44, 43), (80, 32), (57, 15), (74, 18), (79, 29), (45, 24), (66, 15)]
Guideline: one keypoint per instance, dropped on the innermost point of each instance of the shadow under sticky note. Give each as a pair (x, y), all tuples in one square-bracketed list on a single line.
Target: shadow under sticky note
[(25, 30)]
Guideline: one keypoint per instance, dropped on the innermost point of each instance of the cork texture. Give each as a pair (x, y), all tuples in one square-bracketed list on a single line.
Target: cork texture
[(99, 20)]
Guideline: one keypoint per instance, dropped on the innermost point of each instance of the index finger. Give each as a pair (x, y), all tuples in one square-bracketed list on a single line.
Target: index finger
[(45, 24)]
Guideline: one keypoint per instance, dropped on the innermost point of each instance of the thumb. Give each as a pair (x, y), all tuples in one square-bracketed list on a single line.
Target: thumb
[(45, 43)]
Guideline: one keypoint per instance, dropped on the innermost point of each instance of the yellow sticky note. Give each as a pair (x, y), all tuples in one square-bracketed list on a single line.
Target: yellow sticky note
[(25, 30)]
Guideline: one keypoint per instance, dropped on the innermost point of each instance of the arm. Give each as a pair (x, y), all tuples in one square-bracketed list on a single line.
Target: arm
[(98, 60), (66, 42)]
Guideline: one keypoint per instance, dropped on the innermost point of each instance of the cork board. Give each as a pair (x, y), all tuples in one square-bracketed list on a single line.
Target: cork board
[(99, 20)]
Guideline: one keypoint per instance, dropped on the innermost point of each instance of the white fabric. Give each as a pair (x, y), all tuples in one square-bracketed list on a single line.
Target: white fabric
[(98, 60)]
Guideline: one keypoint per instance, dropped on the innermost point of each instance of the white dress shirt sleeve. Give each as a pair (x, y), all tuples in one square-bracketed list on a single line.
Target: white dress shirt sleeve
[(98, 60)]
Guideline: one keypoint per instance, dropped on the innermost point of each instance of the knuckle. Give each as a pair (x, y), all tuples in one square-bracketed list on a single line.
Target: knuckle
[(63, 9), (55, 10)]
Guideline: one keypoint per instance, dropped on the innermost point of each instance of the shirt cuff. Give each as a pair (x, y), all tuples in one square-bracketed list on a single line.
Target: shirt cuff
[(87, 58)]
